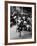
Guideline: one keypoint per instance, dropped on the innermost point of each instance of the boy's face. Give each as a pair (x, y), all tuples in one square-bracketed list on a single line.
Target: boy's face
[(23, 17)]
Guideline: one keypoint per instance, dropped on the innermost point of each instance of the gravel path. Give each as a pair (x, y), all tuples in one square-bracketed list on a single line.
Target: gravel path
[(15, 35)]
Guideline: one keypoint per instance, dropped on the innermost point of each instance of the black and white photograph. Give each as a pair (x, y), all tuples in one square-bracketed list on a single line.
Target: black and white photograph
[(20, 22)]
